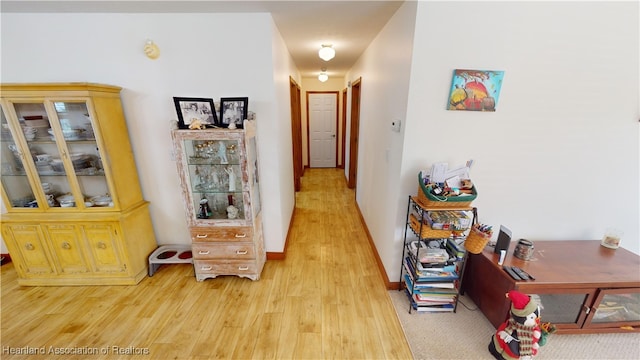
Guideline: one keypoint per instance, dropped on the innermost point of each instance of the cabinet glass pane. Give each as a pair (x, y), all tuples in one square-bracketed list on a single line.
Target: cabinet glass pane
[(215, 178), (77, 129), (561, 308), (48, 160), (618, 307), (254, 179), (14, 177)]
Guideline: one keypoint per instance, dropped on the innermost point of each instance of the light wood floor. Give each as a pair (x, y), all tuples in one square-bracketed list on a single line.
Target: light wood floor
[(326, 300)]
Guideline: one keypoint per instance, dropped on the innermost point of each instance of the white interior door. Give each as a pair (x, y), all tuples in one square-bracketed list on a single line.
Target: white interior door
[(322, 129)]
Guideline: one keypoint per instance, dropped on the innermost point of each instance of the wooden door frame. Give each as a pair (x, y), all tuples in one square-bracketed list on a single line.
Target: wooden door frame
[(354, 133), (343, 132), (296, 132), (337, 116)]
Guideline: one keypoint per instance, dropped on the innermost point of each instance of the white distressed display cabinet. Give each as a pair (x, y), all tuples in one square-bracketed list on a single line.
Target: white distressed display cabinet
[(73, 207), (218, 171)]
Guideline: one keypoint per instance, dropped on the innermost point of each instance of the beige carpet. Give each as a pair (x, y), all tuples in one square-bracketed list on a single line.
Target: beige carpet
[(466, 334)]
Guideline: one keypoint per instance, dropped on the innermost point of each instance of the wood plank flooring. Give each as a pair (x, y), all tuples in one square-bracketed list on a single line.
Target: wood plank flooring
[(326, 300)]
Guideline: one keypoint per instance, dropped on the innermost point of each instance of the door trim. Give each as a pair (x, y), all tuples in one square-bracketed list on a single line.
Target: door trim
[(308, 135), (343, 129), (354, 133), (296, 132)]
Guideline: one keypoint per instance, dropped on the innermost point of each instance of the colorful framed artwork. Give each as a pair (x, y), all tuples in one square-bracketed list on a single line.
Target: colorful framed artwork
[(475, 90)]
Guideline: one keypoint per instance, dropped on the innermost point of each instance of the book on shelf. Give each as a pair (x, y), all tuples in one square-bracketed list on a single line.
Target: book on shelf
[(429, 298), (423, 285), (444, 267), (447, 307), (439, 308), (428, 274)]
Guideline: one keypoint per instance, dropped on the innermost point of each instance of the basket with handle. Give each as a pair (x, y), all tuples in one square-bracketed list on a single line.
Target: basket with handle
[(426, 199), (476, 240)]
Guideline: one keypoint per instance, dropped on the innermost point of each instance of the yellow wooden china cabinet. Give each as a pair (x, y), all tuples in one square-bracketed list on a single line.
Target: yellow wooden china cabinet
[(73, 209)]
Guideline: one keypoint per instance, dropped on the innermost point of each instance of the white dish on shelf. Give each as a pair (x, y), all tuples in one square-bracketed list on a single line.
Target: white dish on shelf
[(101, 200)]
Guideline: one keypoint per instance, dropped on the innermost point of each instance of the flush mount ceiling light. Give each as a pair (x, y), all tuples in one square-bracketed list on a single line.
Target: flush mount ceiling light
[(323, 75), (327, 52)]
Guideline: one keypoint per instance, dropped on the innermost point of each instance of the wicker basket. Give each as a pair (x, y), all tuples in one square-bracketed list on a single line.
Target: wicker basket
[(426, 199), (427, 232), (476, 241)]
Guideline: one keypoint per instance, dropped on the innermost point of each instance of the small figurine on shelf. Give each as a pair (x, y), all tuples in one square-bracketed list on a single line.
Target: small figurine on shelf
[(196, 125), (518, 337), (232, 211), (222, 152), (232, 178), (205, 210)]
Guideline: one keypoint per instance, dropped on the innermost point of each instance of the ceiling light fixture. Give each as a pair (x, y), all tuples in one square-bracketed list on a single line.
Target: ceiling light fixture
[(323, 75), (327, 52)]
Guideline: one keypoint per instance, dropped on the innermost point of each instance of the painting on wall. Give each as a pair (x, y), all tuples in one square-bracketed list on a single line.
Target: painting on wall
[(475, 90)]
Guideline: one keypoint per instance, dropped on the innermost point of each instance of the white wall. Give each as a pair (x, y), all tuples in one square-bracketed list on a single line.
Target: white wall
[(202, 55), (385, 68), (559, 158), (278, 192)]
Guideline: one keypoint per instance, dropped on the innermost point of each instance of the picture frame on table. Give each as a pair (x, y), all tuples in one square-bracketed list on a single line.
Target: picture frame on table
[(233, 110), (190, 109)]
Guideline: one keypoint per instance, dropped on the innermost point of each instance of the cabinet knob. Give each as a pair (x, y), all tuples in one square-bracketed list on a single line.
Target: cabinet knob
[(241, 235), (66, 245), (202, 252), (29, 246), (241, 252), (243, 268), (201, 236), (102, 245), (206, 268)]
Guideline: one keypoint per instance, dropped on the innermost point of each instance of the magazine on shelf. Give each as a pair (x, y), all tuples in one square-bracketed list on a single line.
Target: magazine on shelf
[(430, 275), (424, 285), (448, 307)]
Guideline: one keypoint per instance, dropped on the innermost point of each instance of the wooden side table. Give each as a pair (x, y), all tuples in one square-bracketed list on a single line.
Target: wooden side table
[(582, 287)]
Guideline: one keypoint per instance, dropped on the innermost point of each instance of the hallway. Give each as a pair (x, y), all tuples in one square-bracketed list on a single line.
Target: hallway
[(326, 300)]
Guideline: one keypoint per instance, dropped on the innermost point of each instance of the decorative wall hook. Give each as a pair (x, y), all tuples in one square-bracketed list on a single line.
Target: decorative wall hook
[(151, 50)]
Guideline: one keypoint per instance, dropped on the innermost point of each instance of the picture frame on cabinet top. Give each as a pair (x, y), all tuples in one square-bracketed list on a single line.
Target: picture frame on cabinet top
[(190, 109), (233, 110)]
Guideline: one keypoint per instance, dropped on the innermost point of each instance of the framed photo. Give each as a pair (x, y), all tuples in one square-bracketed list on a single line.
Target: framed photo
[(190, 109), (233, 110)]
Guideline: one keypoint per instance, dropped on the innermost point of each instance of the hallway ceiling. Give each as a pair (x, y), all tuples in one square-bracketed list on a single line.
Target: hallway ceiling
[(304, 24)]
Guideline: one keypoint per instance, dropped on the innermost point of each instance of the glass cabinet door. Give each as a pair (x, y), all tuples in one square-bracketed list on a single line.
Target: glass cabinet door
[(620, 306), (77, 130), (215, 176), (254, 178), (14, 177), (66, 160), (567, 309)]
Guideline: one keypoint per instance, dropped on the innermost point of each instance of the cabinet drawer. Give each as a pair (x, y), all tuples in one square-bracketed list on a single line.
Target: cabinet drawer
[(223, 251), (225, 267), (221, 233)]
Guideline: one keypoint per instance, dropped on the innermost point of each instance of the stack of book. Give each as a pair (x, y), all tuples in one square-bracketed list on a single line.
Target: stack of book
[(431, 295), (431, 285)]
